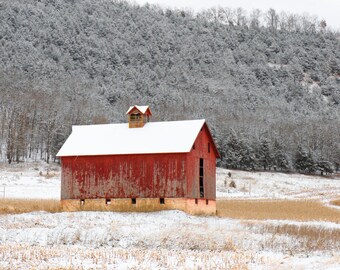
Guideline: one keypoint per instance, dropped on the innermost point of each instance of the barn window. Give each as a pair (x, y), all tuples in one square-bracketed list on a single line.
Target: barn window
[(193, 147), (108, 201), (196, 201), (208, 147), (161, 201), (206, 202), (133, 200), (135, 117), (82, 202)]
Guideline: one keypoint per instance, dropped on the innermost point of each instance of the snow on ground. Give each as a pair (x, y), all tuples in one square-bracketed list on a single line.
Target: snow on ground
[(159, 240), (169, 239), (30, 181), (275, 185)]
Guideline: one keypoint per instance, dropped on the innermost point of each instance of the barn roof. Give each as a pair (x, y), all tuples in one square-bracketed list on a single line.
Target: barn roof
[(119, 139), (142, 109)]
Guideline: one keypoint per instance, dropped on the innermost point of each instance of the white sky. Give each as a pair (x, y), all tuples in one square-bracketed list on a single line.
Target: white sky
[(324, 9)]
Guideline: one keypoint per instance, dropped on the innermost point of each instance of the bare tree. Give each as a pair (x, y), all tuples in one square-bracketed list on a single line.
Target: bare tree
[(226, 15), (322, 25), (272, 19), (292, 23), (241, 17), (255, 18)]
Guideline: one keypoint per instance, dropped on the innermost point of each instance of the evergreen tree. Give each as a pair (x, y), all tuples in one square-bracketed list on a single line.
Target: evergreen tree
[(324, 166), (264, 154), (247, 156), (304, 161), (300, 158), (234, 151), (280, 159)]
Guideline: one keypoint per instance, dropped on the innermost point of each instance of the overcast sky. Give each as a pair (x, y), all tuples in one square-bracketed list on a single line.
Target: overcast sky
[(324, 9)]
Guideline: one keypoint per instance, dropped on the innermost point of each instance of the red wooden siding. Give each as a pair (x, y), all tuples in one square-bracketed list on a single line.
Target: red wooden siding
[(173, 175), (193, 159), (124, 176)]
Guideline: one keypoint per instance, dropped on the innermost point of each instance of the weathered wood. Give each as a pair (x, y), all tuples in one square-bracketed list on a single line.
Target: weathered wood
[(170, 175), (138, 119)]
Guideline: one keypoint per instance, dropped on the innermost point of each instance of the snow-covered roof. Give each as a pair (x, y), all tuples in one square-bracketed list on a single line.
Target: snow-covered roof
[(119, 139), (142, 109)]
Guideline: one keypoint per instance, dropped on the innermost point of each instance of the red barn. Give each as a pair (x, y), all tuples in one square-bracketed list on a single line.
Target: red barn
[(140, 166)]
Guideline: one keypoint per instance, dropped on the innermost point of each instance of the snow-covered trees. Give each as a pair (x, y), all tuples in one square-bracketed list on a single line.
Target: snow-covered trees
[(233, 155), (304, 161), (280, 159), (81, 62), (264, 154)]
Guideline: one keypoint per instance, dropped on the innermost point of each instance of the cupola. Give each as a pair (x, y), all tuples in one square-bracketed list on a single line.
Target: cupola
[(138, 116)]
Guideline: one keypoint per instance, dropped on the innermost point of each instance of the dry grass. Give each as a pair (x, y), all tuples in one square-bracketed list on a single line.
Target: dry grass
[(336, 202), (301, 210), (17, 206), (77, 257), (301, 237)]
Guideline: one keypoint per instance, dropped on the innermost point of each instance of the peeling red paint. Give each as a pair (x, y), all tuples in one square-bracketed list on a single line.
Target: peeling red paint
[(172, 175)]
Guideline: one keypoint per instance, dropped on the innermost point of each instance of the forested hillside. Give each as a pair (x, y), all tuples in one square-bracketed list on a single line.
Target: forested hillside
[(267, 83)]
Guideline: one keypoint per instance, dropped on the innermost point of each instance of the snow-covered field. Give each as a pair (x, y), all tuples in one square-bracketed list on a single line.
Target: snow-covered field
[(30, 181), (160, 240), (275, 185), (168, 239)]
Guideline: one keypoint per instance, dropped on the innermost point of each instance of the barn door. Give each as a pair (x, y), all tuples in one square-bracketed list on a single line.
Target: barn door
[(201, 168)]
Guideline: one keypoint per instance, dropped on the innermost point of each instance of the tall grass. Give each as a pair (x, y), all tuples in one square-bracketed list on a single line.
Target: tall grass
[(77, 257), (17, 206), (238, 209), (336, 202), (301, 210), (297, 238)]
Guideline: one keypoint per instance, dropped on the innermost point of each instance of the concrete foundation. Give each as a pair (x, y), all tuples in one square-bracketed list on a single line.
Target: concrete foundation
[(190, 206)]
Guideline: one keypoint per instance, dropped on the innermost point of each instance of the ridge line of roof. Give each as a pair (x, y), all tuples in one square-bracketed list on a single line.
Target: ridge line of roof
[(125, 123), (141, 108)]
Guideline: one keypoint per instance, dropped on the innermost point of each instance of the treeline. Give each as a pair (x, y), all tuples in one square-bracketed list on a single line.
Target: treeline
[(271, 19), (35, 122), (264, 81), (237, 152)]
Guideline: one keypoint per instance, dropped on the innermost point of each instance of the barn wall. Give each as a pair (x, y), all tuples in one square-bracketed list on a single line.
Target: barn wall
[(193, 159), (124, 176)]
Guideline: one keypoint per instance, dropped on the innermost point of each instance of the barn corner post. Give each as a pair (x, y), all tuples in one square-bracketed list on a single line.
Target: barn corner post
[(140, 166)]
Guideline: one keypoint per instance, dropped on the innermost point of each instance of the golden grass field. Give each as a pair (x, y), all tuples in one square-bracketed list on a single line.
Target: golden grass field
[(336, 202), (300, 210), (17, 206)]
